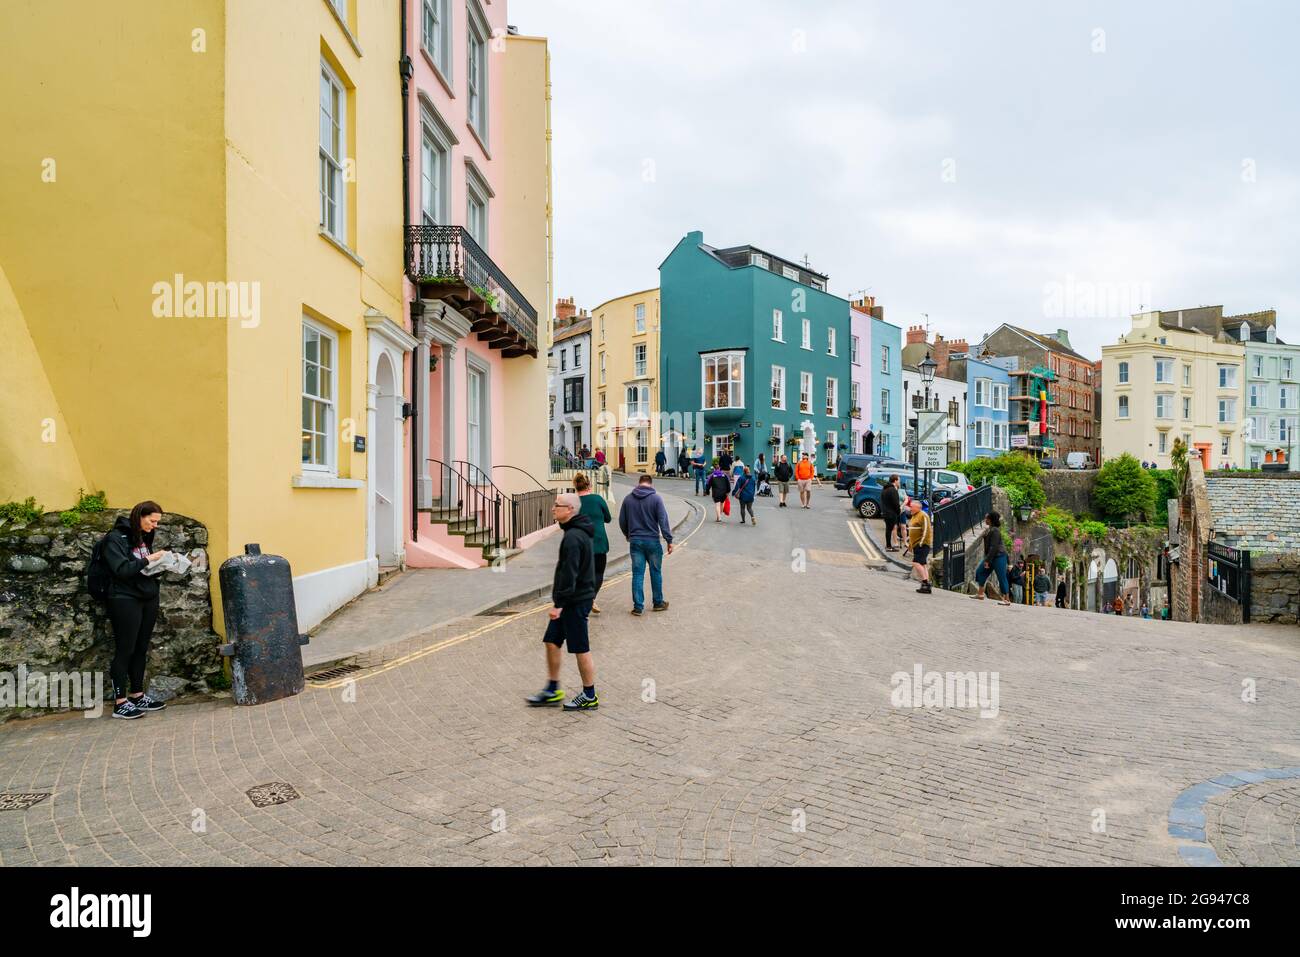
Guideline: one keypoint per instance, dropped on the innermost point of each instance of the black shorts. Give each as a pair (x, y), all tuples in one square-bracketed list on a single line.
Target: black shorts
[(570, 629), (921, 554)]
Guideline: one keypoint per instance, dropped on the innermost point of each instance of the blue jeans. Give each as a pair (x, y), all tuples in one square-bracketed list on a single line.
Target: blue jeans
[(646, 552), (699, 479), (1000, 569)]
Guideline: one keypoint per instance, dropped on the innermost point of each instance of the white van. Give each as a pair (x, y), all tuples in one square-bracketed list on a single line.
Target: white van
[(1078, 460)]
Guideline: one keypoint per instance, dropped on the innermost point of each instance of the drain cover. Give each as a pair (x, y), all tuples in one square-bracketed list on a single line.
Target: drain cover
[(277, 792), (330, 674), (20, 800)]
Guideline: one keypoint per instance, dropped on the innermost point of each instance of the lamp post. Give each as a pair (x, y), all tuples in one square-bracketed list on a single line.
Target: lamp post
[(927, 367)]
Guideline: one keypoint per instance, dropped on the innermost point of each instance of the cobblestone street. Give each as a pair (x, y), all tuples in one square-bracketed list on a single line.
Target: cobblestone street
[(750, 723)]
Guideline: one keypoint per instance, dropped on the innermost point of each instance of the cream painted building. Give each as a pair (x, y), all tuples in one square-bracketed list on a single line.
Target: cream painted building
[(625, 382), (1170, 378)]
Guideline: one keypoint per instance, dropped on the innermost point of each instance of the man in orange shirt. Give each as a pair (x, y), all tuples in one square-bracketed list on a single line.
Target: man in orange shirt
[(803, 474)]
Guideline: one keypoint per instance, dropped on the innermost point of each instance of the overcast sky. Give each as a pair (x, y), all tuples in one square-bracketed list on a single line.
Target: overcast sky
[(1048, 164)]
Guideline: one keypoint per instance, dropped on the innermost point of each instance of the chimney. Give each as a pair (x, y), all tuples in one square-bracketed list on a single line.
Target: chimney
[(564, 311), (915, 335), (878, 312), (1063, 337), (939, 353), (958, 346)]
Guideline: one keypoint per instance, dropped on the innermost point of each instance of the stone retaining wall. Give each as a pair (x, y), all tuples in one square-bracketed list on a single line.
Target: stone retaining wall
[(1069, 490), (49, 622)]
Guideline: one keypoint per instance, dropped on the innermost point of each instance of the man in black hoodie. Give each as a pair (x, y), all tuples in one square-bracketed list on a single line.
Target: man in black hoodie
[(572, 594)]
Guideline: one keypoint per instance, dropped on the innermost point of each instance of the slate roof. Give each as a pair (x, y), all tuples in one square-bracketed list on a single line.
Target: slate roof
[(1047, 342), (1253, 508)]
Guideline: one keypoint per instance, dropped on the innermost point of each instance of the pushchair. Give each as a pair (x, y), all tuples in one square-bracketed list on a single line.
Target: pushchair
[(764, 489)]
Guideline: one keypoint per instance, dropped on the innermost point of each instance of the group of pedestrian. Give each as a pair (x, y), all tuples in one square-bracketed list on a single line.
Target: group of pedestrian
[(580, 571)]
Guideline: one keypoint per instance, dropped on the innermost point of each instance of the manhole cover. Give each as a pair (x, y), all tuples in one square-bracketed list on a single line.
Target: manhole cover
[(330, 674), (277, 792), (21, 801)]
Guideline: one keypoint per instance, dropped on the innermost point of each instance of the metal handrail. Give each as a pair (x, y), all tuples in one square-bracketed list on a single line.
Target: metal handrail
[(529, 474), (473, 504), (959, 516)]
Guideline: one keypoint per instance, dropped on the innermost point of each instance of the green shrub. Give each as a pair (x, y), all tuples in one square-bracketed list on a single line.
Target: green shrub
[(1166, 488), (1016, 472), (1062, 563), (70, 517), (21, 513), (1063, 526), (1125, 490), (1092, 529), (90, 502)]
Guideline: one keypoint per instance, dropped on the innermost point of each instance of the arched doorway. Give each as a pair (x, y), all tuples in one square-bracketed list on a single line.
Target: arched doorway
[(387, 439)]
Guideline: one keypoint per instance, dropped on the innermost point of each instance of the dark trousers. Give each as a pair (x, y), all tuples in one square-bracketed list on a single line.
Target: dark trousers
[(133, 620), (891, 523), (600, 570)]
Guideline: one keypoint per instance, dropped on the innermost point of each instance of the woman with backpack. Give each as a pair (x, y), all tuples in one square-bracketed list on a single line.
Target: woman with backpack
[(132, 605), (746, 485), (719, 487), (995, 559)]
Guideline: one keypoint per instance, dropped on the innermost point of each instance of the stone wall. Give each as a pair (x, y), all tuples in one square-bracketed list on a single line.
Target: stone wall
[(1069, 490), (1217, 608), (1275, 588), (49, 622)]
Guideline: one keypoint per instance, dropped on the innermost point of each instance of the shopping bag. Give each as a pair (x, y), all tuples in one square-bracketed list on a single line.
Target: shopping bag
[(726, 506)]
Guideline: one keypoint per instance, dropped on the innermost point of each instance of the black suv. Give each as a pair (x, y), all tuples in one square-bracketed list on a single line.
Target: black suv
[(852, 467)]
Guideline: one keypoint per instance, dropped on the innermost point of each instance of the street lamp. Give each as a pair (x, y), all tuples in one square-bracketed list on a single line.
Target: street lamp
[(927, 367)]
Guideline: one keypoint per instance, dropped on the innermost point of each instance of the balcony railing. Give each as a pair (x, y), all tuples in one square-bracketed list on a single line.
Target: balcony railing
[(448, 256)]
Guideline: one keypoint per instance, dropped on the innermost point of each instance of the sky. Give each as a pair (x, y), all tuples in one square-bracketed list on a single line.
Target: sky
[(1053, 165)]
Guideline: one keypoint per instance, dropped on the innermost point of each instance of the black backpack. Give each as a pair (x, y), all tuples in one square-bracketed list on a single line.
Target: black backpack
[(98, 577)]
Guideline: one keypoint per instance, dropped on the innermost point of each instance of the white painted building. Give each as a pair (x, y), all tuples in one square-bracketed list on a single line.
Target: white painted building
[(569, 383), (945, 395)]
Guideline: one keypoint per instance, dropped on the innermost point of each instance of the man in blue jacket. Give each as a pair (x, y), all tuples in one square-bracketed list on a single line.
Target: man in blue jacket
[(643, 518)]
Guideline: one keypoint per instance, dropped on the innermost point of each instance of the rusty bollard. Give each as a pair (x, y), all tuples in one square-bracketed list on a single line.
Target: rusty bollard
[(264, 645)]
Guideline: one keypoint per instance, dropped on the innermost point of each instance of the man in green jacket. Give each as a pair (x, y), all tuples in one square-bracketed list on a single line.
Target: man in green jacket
[(596, 509)]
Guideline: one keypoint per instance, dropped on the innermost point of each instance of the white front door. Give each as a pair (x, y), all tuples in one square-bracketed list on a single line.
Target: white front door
[(387, 439), (474, 421)]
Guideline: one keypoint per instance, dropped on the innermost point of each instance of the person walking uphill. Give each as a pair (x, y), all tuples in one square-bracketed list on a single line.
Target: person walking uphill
[(921, 537), (571, 594), (890, 511), (783, 473), (643, 519), (594, 507), (995, 559), (718, 487), (803, 473), (746, 486), (132, 605)]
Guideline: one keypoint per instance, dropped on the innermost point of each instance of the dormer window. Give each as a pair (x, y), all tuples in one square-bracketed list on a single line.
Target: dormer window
[(1271, 335), (1245, 332)]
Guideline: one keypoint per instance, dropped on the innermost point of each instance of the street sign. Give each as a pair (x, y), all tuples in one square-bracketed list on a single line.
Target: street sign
[(932, 430)]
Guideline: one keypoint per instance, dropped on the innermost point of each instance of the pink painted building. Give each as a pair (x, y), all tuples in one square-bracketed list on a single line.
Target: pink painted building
[(477, 278)]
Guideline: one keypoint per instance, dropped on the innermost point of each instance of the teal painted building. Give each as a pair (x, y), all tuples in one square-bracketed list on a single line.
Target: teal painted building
[(753, 351)]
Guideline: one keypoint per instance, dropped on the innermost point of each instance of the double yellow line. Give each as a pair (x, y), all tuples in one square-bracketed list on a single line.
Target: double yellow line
[(477, 632), (864, 543)]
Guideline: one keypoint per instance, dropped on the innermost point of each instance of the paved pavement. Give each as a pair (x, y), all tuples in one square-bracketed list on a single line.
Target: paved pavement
[(756, 721), (411, 605)]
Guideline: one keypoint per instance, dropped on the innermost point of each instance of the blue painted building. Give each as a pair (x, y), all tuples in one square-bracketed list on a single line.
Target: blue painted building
[(754, 353), (887, 387), (988, 415)]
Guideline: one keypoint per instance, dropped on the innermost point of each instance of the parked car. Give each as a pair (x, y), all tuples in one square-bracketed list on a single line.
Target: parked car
[(954, 483), (1046, 463), (851, 466), (1079, 460), (866, 492)]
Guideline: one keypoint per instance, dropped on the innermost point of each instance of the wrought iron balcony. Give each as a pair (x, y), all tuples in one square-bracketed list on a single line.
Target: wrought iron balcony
[(447, 263)]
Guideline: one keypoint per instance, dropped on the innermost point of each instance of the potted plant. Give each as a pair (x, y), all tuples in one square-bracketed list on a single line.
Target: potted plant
[(774, 440), (855, 413), (828, 446)]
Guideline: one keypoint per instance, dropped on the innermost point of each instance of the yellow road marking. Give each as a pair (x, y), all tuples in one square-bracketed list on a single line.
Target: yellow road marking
[(869, 549), (477, 632)]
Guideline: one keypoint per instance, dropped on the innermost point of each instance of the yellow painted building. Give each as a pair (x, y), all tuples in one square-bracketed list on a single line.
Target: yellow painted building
[(1164, 381), (625, 376), (200, 263)]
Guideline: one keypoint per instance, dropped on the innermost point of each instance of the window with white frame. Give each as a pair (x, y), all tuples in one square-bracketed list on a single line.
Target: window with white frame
[(778, 447), (638, 359), (759, 260), (642, 445), (638, 402), (832, 451), (1002, 434), (983, 433), (1286, 367), (333, 149), (805, 391), (435, 35), (1162, 442), (1286, 397), (477, 70), (817, 283), (1257, 367), (778, 387), (577, 354), (1227, 410), (1164, 405), (1225, 445), (885, 416), (778, 330), (1255, 396), (1001, 394), (1123, 373), (639, 320), (1187, 407), (319, 391), (602, 368), (853, 441), (723, 380), (853, 351), (477, 193), (1164, 370), (602, 328), (1256, 430), (855, 392), (982, 391), (435, 159), (1286, 430), (832, 396), (790, 273), (1122, 411), (830, 342), (807, 333), (1227, 377), (564, 356), (884, 358), (1187, 374)]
